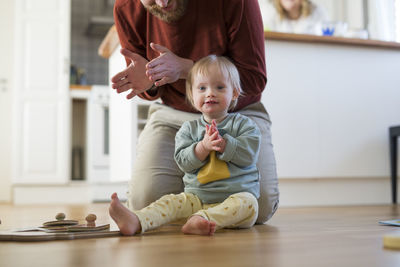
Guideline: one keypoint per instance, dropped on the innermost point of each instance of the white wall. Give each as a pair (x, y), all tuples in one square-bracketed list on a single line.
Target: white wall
[(6, 67), (331, 107)]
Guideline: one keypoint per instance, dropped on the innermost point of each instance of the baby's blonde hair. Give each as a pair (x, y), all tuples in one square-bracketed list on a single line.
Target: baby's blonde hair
[(227, 68), (307, 7)]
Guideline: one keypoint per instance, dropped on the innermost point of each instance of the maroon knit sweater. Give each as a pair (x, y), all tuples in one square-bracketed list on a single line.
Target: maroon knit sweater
[(231, 28)]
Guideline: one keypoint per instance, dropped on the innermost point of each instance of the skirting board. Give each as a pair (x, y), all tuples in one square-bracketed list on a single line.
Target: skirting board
[(294, 192), (303, 192), (74, 193)]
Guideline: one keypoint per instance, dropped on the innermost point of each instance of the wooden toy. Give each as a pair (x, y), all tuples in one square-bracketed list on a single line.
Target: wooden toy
[(391, 241), (60, 229)]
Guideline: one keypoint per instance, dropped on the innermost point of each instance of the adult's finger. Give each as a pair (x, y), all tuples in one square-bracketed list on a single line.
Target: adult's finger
[(157, 68), (117, 77), (161, 82), (119, 83), (131, 94), (124, 88), (154, 63), (131, 55), (159, 48), (158, 76)]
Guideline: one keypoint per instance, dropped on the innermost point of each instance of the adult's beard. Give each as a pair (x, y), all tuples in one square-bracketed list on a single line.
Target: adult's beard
[(169, 16)]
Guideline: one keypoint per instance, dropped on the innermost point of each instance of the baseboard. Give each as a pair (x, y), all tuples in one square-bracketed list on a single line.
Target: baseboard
[(294, 192), (73, 193)]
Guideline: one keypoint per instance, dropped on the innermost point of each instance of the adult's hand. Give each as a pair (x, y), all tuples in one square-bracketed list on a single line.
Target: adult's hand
[(133, 77), (167, 67)]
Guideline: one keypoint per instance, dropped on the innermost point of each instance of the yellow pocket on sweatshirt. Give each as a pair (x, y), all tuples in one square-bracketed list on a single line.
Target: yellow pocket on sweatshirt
[(214, 170)]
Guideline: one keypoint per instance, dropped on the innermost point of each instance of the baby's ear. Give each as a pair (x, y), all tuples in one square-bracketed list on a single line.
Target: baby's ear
[(236, 94)]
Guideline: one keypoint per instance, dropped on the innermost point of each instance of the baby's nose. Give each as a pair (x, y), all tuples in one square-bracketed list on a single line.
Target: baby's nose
[(210, 92)]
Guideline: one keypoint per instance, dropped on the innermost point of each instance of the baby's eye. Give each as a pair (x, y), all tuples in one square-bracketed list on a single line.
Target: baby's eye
[(202, 88), (220, 87)]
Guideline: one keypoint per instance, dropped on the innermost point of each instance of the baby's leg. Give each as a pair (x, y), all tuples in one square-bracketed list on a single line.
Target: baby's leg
[(239, 210), (197, 225), (167, 209), (128, 223)]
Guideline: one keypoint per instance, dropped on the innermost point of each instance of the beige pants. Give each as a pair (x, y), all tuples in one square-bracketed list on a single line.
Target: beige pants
[(156, 174), (237, 211)]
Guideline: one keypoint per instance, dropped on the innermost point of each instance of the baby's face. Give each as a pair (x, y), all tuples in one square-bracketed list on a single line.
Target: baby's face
[(212, 93)]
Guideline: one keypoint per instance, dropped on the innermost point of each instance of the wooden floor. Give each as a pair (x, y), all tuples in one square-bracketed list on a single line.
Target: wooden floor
[(334, 236)]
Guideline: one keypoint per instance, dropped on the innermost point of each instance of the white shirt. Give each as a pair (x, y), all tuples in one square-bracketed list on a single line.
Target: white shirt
[(303, 25)]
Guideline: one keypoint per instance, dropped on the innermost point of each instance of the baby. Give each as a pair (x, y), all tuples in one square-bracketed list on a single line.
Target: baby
[(218, 154)]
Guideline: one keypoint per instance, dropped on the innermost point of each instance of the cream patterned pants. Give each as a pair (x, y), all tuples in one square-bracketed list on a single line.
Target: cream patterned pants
[(239, 210)]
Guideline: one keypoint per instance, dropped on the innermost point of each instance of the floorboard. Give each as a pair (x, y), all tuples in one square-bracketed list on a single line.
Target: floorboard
[(328, 236)]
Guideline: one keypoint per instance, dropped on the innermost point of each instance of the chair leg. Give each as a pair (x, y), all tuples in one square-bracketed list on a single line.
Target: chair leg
[(393, 166)]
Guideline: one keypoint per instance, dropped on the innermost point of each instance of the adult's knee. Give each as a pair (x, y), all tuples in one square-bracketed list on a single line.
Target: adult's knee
[(140, 195), (145, 189)]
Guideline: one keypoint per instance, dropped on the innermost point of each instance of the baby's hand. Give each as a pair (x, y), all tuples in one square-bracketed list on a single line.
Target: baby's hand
[(210, 129), (213, 127), (212, 140), (209, 138), (219, 144)]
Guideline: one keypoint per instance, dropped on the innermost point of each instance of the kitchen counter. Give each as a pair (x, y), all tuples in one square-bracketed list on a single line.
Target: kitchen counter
[(330, 40)]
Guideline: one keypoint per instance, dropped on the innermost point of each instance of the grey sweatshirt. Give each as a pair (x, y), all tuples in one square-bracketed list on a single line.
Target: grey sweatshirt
[(235, 170)]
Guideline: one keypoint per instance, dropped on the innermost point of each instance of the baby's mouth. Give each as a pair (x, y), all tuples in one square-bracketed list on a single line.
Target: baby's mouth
[(209, 102)]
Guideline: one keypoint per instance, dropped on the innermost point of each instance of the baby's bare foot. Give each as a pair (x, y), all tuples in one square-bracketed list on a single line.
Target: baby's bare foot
[(197, 225), (128, 223)]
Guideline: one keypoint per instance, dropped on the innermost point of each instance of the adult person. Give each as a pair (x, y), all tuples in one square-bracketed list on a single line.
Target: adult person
[(293, 16), (161, 40)]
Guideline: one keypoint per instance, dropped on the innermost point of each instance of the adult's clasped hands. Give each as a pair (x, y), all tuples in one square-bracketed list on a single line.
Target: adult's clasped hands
[(141, 75)]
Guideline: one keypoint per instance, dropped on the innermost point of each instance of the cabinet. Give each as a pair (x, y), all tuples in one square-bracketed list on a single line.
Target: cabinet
[(43, 114), (127, 120), (6, 85), (41, 106), (90, 134)]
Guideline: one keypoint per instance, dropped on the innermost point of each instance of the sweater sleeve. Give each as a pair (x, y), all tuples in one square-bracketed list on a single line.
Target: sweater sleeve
[(184, 150), (129, 31), (243, 149), (246, 43), (130, 22)]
